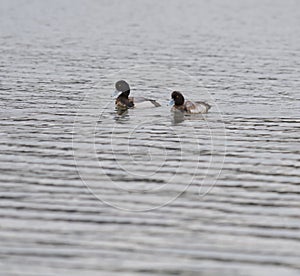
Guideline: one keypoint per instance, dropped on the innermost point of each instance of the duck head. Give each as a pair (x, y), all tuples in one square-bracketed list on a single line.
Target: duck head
[(122, 87), (177, 98)]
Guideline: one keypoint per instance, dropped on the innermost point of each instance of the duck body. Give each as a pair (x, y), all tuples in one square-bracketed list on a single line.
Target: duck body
[(123, 101), (188, 106)]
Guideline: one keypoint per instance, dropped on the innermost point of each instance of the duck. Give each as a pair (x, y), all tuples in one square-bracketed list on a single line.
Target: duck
[(180, 104), (123, 101)]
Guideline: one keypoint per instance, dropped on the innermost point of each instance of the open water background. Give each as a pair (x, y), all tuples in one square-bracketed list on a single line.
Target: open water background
[(86, 191)]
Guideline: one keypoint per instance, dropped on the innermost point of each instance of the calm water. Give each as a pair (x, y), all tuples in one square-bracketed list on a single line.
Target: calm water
[(87, 191)]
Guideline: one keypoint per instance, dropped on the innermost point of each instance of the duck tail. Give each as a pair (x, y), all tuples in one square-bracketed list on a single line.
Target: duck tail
[(155, 103), (208, 106)]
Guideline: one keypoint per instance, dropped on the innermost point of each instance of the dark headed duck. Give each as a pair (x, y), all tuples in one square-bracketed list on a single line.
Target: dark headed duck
[(123, 100), (179, 103)]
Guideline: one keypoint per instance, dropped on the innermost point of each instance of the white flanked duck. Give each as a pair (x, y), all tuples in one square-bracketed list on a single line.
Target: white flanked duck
[(179, 103), (123, 100)]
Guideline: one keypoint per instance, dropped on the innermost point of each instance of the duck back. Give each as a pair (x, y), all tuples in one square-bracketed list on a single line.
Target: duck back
[(196, 107)]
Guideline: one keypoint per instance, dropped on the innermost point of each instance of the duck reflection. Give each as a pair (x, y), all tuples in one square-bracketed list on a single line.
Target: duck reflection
[(179, 117), (121, 115)]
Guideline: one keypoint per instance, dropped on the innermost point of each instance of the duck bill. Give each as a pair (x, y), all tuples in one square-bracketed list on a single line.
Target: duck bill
[(116, 94), (171, 102)]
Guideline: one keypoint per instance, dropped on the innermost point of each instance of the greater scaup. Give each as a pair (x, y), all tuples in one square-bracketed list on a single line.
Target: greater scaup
[(179, 103), (123, 100)]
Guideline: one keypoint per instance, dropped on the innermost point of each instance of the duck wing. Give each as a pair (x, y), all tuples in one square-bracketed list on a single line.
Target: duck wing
[(146, 102), (196, 107), (208, 106)]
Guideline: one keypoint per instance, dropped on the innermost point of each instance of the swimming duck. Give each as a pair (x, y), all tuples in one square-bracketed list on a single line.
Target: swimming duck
[(123, 100), (179, 103)]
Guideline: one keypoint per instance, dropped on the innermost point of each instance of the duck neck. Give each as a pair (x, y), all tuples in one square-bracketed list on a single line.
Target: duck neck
[(125, 94)]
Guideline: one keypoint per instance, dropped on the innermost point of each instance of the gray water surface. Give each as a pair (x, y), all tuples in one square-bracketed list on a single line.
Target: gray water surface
[(87, 191)]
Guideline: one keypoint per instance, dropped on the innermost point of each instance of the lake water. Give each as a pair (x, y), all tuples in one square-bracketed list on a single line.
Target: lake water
[(87, 191)]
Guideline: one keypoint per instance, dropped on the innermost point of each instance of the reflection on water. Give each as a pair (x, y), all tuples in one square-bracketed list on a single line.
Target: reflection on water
[(178, 117), (71, 164), (121, 115)]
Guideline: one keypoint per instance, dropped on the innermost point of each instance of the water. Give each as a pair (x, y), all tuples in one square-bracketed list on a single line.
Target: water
[(87, 191)]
